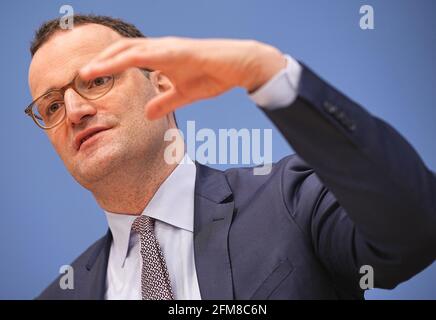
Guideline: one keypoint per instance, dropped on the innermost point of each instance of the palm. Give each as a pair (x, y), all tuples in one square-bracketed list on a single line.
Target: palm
[(198, 69)]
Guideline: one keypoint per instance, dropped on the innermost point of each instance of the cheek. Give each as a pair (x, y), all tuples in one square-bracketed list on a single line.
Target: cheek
[(132, 94), (121, 104), (129, 109), (59, 139)]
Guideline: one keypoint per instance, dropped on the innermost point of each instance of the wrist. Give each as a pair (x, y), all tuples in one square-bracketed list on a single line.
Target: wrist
[(266, 61)]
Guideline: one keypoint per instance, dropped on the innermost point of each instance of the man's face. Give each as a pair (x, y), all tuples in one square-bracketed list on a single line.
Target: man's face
[(127, 136)]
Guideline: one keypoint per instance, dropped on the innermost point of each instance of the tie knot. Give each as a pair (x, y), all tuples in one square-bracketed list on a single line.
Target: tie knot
[(143, 225)]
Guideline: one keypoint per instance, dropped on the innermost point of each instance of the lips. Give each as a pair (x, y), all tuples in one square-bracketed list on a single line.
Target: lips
[(84, 135)]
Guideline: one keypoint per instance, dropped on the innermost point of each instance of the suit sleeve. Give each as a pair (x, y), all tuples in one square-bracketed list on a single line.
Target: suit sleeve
[(376, 200)]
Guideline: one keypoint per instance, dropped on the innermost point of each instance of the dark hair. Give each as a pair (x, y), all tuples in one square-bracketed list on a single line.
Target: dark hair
[(48, 28)]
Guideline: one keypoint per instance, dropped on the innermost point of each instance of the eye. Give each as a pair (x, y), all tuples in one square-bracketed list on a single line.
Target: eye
[(98, 82), (52, 108)]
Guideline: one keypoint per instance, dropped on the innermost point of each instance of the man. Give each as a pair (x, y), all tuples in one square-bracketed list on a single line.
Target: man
[(356, 195)]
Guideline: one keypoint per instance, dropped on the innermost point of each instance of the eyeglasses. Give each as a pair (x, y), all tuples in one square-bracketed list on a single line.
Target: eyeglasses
[(49, 110)]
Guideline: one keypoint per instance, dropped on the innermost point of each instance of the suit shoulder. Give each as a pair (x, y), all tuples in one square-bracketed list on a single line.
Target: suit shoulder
[(288, 165), (282, 182)]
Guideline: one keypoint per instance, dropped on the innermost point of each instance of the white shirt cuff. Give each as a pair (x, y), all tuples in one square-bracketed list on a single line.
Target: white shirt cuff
[(282, 89)]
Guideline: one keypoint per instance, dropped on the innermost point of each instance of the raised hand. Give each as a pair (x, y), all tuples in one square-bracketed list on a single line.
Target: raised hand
[(197, 68)]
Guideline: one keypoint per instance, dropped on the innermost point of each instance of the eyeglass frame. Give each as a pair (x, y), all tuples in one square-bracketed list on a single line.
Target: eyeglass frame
[(29, 109)]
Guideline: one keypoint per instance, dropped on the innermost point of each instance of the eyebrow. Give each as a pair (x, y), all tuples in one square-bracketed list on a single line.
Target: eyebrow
[(58, 88)]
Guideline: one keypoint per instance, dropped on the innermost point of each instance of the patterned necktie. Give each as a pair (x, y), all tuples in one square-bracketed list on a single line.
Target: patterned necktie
[(155, 283)]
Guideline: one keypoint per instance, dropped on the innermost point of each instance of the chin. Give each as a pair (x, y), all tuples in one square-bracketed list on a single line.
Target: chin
[(96, 166)]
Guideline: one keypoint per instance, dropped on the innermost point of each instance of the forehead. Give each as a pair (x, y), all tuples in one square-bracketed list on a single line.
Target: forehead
[(58, 60)]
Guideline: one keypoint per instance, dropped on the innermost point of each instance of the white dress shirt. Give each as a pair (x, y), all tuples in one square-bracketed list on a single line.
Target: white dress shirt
[(173, 208), (282, 89)]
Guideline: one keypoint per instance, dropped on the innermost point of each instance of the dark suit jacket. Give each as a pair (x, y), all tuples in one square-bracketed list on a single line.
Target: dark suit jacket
[(356, 194)]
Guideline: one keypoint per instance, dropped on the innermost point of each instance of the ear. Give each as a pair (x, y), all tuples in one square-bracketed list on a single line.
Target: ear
[(160, 81)]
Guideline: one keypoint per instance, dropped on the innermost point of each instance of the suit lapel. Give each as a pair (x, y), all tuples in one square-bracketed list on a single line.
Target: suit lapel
[(213, 213), (91, 282)]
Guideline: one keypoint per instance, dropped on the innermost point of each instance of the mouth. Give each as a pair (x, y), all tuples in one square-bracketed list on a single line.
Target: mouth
[(87, 135)]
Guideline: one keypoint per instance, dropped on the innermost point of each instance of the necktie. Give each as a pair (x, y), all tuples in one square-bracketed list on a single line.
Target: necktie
[(155, 283)]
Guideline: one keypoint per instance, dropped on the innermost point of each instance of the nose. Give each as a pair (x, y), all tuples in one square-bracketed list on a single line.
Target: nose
[(78, 109)]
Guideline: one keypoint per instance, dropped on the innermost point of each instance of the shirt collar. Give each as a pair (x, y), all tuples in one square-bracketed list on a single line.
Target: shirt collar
[(173, 203)]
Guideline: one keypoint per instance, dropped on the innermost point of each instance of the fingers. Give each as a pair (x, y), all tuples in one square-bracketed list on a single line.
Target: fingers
[(118, 63), (116, 48), (116, 58), (163, 104), (150, 53)]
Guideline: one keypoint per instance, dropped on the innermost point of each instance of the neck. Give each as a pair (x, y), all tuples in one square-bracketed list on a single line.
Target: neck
[(130, 189)]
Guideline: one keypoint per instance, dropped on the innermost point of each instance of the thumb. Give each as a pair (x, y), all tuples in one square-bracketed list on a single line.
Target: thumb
[(163, 104)]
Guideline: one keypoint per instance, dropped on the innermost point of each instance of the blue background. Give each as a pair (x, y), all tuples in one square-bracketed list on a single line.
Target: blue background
[(47, 219)]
